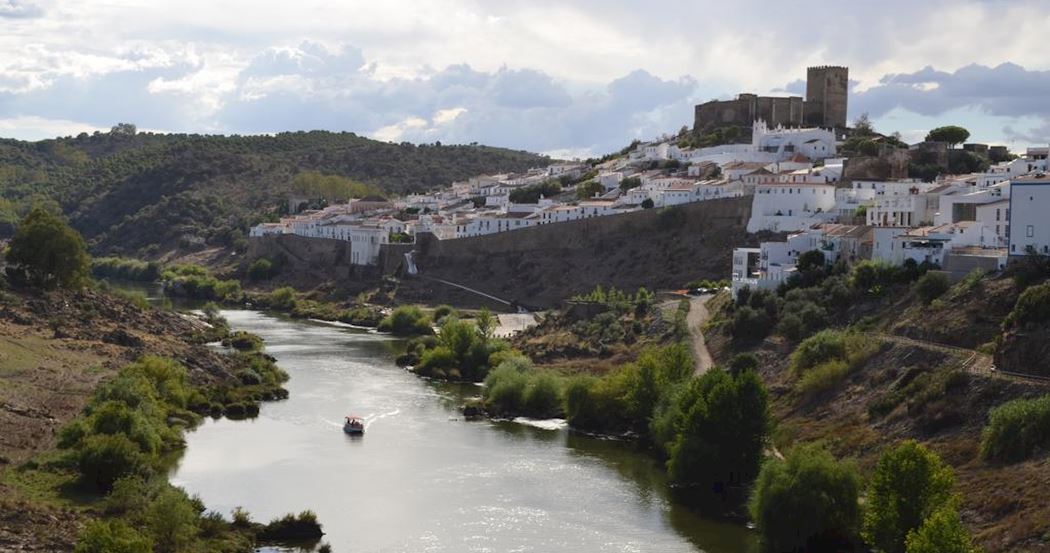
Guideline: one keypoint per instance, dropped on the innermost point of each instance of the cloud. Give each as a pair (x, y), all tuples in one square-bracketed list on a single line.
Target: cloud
[(565, 75), (19, 9)]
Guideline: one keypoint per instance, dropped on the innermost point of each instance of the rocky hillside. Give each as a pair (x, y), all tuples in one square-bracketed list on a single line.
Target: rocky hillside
[(147, 194), (895, 364)]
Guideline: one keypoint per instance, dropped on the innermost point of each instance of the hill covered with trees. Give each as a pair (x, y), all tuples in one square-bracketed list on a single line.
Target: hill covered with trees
[(146, 194)]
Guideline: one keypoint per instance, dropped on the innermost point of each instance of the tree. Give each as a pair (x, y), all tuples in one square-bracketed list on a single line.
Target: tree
[(123, 129), (588, 190), (931, 286), (812, 260), (629, 183), (951, 134), (485, 323), (909, 484), (722, 431), (647, 203), (48, 253), (807, 502), (941, 532), (862, 126)]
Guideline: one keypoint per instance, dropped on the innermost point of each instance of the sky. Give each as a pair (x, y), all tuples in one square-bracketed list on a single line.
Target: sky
[(564, 77)]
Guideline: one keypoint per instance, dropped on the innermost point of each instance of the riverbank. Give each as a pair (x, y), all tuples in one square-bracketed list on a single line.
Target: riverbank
[(57, 350)]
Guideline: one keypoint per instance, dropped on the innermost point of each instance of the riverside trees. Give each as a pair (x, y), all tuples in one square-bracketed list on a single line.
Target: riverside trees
[(47, 253)]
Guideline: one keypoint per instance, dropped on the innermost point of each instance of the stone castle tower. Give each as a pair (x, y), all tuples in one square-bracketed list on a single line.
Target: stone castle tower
[(827, 88)]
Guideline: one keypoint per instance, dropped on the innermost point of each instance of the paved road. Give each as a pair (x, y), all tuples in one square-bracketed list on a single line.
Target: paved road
[(698, 316)]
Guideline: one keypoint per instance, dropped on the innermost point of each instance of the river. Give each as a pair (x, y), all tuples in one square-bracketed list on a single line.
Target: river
[(423, 479)]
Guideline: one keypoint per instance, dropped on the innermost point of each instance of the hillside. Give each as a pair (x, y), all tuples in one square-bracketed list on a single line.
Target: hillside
[(932, 369), (148, 194)]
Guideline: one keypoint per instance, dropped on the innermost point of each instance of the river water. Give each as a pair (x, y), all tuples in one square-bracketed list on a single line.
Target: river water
[(423, 479)]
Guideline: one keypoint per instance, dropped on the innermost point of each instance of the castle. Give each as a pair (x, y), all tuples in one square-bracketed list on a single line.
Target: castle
[(827, 90)]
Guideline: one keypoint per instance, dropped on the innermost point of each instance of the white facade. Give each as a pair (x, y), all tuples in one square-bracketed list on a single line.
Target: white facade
[(1029, 216), (791, 207)]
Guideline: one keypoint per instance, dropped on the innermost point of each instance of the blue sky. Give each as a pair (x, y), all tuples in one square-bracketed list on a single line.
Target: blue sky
[(557, 76)]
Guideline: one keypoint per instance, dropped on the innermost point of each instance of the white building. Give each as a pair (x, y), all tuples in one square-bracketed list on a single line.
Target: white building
[(1029, 216), (783, 207)]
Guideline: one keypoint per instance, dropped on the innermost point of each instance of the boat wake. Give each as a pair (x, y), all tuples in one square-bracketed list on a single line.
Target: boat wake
[(372, 417)]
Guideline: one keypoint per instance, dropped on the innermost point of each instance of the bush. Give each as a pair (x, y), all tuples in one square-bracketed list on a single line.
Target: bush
[(808, 502), (407, 320), (1032, 307), (909, 484), (104, 458), (112, 536), (597, 404), (941, 532), (442, 311), (505, 388), (261, 269), (823, 346), (743, 362), (244, 341), (125, 269), (823, 377), (749, 324), (303, 526), (542, 397), (931, 286), (1017, 429), (282, 298), (173, 521)]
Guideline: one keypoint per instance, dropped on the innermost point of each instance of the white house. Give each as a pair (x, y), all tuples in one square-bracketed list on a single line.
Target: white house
[(791, 207), (1029, 215)]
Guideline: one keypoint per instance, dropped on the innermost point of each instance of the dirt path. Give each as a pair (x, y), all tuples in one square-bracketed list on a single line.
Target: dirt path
[(696, 319)]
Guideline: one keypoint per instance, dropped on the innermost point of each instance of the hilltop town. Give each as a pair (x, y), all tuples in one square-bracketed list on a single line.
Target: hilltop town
[(844, 191)]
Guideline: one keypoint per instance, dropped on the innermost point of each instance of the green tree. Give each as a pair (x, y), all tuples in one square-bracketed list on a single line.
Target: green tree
[(931, 286), (941, 532), (910, 483), (807, 502), (951, 134), (587, 190), (103, 458), (486, 323), (722, 431), (647, 203), (862, 126), (112, 536), (48, 252)]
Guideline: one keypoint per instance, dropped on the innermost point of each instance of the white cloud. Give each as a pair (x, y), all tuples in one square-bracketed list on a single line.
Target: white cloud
[(37, 128), (541, 74)]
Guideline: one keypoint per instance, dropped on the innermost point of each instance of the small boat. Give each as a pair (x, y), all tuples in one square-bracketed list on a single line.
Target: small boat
[(354, 425)]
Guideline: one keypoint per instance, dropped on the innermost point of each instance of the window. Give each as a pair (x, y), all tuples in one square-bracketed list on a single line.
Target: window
[(1030, 231)]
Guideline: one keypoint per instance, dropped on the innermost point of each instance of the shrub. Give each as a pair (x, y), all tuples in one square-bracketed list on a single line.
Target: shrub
[(505, 388), (909, 484), (104, 458), (749, 324), (112, 536), (261, 269), (303, 526), (808, 502), (244, 341), (823, 346), (125, 269), (437, 359), (442, 311), (283, 298), (1032, 307), (823, 377), (931, 286), (597, 404), (1017, 429), (173, 521), (743, 362), (941, 532), (542, 397), (407, 320)]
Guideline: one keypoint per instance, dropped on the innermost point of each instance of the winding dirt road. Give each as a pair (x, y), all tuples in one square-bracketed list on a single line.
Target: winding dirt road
[(696, 319)]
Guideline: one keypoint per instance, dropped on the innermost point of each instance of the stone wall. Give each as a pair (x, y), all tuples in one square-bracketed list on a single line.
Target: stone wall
[(540, 266)]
